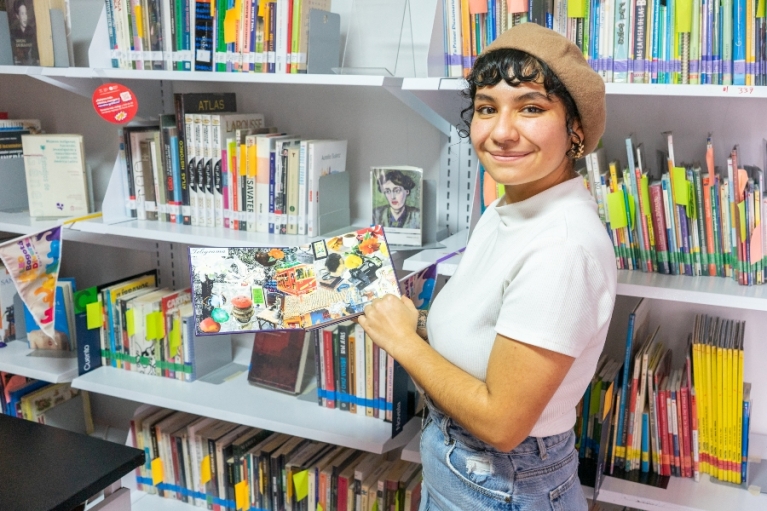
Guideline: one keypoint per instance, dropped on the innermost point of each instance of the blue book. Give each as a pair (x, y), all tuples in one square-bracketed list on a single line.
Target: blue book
[(63, 339), (585, 421), (14, 396), (622, 25), (746, 421), (645, 466), (176, 173), (739, 43)]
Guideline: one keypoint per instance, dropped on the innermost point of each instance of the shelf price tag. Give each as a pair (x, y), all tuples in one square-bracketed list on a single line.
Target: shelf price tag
[(157, 471), (241, 495), (115, 103)]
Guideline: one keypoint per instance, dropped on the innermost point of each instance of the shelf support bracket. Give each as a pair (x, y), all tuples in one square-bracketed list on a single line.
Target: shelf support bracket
[(421, 108)]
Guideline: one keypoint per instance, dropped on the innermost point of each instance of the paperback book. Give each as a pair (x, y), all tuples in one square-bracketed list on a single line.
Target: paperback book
[(310, 286)]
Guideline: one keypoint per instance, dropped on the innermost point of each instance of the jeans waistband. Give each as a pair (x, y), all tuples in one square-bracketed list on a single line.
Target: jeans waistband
[(530, 445)]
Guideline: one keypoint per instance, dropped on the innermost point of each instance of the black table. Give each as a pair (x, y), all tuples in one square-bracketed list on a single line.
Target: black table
[(43, 468)]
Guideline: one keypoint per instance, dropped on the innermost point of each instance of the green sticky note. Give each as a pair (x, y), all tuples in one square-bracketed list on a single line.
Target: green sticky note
[(692, 203), (616, 207), (129, 324), (742, 219), (680, 184), (646, 196), (175, 337), (761, 12), (683, 16), (320, 508), (301, 484), (576, 9), (150, 328), (632, 211), (375, 505), (93, 315)]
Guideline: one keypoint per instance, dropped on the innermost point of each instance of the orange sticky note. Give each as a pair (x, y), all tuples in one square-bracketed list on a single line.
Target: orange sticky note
[(742, 180), (205, 470), (517, 6), (756, 244), (241, 495), (477, 6), (608, 403), (157, 471)]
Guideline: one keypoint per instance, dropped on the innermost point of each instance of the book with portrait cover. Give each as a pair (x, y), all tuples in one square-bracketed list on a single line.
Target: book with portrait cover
[(256, 288), (397, 194), (280, 360)]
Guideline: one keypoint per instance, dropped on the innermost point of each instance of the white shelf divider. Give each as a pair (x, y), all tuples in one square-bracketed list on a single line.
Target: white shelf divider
[(14, 359), (239, 402), (412, 451)]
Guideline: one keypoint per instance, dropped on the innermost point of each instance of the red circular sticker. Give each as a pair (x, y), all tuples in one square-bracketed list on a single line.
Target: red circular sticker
[(115, 103)]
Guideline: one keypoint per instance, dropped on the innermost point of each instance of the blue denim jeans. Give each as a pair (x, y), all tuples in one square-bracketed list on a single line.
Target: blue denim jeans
[(462, 473)]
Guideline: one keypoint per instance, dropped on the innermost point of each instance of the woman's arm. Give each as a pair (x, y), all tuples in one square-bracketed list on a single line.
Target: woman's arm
[(521, 378)]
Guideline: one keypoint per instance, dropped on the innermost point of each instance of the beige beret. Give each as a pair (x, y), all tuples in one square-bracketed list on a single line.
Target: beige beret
[(567, 62)]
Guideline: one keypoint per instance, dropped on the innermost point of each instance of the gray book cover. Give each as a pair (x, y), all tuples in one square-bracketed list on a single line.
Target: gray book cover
[(324, 42), (6, 56), (59, 35)]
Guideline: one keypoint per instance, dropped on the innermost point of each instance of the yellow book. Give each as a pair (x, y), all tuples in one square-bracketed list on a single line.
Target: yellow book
[(710, 366), (750, 11), (696, 375), (251, 149), (739, 402), (720, 411), (727, 412)]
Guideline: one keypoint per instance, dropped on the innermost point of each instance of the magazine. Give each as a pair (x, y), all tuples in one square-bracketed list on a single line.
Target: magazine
[(256, 288)]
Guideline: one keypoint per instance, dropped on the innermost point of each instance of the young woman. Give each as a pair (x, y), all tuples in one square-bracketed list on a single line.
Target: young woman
[(514, 337)]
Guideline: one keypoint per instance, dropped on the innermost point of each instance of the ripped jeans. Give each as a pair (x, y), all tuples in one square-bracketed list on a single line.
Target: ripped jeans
[(462, 473)]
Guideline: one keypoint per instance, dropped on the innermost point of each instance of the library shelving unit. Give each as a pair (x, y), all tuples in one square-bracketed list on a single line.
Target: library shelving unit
[(387, 120)]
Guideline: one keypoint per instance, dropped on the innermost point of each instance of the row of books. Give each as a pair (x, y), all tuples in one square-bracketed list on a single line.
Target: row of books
[(267, 36), (207, 166), (642, 416), (222, 466), (55, 404), (44, 173), (691, 221), (656, 41), (36, 33)]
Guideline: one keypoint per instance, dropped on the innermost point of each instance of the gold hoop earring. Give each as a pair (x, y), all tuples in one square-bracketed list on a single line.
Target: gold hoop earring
[(577, 150)]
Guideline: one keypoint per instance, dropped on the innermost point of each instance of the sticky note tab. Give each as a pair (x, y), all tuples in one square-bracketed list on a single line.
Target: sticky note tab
[(761, 12), (742, 219), (205, 470), (632, 211), (320, 508), (692, 204), (608, 403), (576, 9), (742, 180), (616, 208), (175, 337), (517, 6), (93, 315), (477, 6), (683, 16), (157, 471), (681, 193), (375, 505), (230, 27), (301, 484), (646, 197), (237, 9), (756, 244), (159, 325), (242, 495), (139, 20), (130, 326)]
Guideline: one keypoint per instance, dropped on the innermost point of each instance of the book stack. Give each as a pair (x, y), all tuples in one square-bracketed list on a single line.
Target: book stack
[(209, 166), (8, 294), (149, 330), (213, 463), (670, 421), (691, 221), (37, 33), (13, 195), (46, 403), (719, 42), (267, 36)]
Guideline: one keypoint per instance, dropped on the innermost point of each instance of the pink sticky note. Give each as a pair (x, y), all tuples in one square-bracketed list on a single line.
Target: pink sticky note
[(516, 6), (742, 180), (477, 6), (756, 244)]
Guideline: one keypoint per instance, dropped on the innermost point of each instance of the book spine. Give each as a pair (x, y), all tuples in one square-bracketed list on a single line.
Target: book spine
[(272, 184), (376, 365), (389, 385), (369, 387), (685, 434), (318, 367), (328, 363), (382, 369), (343, 366)]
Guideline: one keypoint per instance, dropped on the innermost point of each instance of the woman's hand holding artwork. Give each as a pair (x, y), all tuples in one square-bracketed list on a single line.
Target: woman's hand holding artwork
[(391, 322)]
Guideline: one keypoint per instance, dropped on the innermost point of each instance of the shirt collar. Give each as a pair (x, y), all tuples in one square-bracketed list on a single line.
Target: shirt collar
[(542, 203)]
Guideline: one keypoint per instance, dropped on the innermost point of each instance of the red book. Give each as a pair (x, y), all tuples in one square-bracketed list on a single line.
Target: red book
[(665, 445), (709, 226), (659, 227), (685, 451), (330, 381)]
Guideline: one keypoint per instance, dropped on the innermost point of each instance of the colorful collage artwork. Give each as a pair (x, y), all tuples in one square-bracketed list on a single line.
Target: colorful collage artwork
[(252, 289)]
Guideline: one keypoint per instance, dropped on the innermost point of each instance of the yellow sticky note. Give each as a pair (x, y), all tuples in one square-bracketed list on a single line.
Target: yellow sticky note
[(681, 193), (205, 470), (632, 210), (576, 9), (616, 207), (683, 16), (230, 27), (175, 337), (149, 326), (608, 402), (130, 326), (242, 495), (157, 471), (159, 323), (646, 197), (320, 508), (761, 12), (742, 219), (375, 505), (301, 484), (237, 9), (93, 315), (139, 20)]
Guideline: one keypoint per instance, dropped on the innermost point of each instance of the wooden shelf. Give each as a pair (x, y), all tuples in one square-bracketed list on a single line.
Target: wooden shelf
[(14, 359)]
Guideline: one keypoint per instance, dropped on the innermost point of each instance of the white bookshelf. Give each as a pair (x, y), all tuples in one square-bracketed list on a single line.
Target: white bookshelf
[(412, 451), (425, 258), (14, 359), (22, 223)]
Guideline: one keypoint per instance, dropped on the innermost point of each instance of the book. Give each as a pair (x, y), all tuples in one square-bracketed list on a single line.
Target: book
[(323, 157), (397, 203), (282, 360), (56, 176), (328, 281)]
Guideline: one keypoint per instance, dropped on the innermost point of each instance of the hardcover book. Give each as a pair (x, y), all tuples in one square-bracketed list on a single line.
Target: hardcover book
[(397, 194), (279, 360), (255, 288)]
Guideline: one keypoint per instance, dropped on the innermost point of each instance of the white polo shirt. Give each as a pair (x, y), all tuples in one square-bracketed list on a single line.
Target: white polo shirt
[(542, 272)]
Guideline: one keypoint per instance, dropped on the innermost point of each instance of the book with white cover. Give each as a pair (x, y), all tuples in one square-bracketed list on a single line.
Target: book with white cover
[(56, 179), (323, 157), (397, 196)]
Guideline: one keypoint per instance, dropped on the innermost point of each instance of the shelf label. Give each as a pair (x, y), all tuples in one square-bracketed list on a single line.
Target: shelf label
[(115, 103), (738, 91), (157, 471)]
